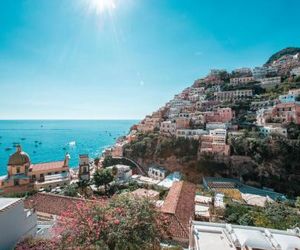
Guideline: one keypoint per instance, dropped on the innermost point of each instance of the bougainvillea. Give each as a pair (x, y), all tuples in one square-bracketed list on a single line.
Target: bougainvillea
[(126, 222)]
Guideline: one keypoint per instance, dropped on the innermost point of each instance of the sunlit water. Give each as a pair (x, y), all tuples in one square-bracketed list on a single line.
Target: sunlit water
[(51, 140)]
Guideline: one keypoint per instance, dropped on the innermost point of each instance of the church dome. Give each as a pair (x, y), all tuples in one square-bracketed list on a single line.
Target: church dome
[(19, 158)]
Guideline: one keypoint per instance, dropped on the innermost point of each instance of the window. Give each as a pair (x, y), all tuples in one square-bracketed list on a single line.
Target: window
[(16, 182), (18, 170)]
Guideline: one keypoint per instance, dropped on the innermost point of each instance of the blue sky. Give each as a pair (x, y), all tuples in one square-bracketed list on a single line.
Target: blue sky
[(62, 59)]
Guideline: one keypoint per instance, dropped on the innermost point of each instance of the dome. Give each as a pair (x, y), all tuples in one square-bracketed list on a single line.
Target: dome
[(19, 158)]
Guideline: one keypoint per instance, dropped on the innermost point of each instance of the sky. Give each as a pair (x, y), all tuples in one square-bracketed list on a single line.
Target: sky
[(123, 59)]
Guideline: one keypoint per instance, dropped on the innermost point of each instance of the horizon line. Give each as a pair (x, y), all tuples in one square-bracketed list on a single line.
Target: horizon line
[(72, 119)]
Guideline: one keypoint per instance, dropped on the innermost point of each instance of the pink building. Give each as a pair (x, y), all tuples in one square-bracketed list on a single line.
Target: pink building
[(287, 112), (220, 115)]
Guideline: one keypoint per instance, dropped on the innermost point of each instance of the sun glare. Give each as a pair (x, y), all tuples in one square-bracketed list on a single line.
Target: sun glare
[(100, 6)]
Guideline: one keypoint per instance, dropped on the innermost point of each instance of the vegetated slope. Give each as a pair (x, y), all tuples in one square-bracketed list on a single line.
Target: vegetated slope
[(286, 51)]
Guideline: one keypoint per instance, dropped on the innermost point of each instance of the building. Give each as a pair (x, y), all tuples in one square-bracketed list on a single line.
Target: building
[(157, 172), (233, 95), (242, 72), (149, 124), (286, 113), (16, 222), (289, 98), (168, 128), (217, 236), (84, 168), (51, 205), (219, 184), (179, 209), (216, 125), (295, 71), (215, 143), (220, 115), (262, 72), (272, 129), (241, 80), (202, 207), (24, 176), (270, 82), (263, 116), (254, 106), (190, 133), (123, 172), (182, 122), (295, 92)]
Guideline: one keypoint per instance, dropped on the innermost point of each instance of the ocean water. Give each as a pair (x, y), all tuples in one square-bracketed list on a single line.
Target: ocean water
[(50, 140)]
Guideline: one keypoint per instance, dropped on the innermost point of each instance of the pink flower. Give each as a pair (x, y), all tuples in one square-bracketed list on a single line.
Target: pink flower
[(117, 222)]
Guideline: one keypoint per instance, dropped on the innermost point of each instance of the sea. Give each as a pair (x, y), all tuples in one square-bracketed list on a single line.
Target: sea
[(50, 140)]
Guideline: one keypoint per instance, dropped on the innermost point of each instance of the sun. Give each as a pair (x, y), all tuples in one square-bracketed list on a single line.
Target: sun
[(100, 6)]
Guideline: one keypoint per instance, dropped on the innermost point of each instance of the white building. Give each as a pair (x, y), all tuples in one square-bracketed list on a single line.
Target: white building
[(168, 128), (157, 173), (190, 133), (217, 236), (15, 222), (216, 125), (124, 172), (262, 72), (295, 71), (273, 129), (270, 81), (241, 80)]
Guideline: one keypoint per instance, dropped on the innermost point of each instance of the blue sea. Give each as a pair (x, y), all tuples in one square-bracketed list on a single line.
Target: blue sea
[(50, 140)]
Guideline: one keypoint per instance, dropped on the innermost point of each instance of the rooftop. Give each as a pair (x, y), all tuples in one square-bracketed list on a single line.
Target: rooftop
[(54, 204), (47, 166), (179, 205), (215, 236), (7, 202)]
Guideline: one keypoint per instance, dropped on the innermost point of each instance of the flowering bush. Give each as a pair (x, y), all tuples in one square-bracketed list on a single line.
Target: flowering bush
[(126, 222)]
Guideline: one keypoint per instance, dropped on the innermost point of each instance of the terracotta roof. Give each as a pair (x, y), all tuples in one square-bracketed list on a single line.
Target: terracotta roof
[(47, 166), (53, 204), (179, 205)]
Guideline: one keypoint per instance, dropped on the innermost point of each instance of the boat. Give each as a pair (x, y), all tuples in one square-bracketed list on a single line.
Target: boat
[(7, 149), (64, 148), (40, 142), (23, 139)]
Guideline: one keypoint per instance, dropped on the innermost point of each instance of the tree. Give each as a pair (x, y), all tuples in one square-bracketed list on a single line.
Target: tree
[(71, 190), (103, 177), (107, 162)]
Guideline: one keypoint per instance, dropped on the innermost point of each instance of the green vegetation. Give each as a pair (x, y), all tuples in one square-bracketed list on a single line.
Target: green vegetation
[(277, 160), (71, 190), (102, 178), (153, 145), (125, 223), (274, 215), (286, 51)]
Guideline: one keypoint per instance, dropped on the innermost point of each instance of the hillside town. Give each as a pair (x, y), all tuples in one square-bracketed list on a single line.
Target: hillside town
[(198, 169)]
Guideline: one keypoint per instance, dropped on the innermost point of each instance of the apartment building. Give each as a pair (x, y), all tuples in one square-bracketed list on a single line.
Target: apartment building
[(233, 95), (270, 82), (190, 133), (168, 128), (287, 112), (220, 115), (241, 80), (215, 143), (263, 72)]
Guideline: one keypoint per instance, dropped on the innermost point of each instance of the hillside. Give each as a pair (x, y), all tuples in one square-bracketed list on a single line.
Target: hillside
[(286, 51)]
